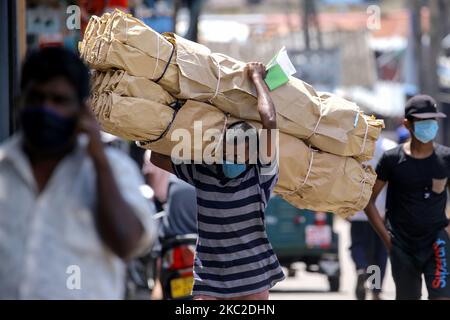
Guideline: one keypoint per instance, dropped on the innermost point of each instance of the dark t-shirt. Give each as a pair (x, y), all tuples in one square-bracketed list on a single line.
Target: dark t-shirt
[(416, 195)]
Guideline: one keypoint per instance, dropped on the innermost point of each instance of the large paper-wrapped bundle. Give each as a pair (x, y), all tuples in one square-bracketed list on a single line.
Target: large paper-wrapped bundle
[(153, 121), (188, 70), (122, 84), (192, 121), (122, 116), (119, 101), (308, 178), (321, 181), (94, 30), (120, 41)]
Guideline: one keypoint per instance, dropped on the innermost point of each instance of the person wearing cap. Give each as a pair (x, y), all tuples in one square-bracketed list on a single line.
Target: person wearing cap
[(416, 229)]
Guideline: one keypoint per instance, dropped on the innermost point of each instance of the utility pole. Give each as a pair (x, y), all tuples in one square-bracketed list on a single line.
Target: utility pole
[(9, 60), (195, 7), (436, 36), (177, 4), (310, 19), (438, 30), (416, 25)]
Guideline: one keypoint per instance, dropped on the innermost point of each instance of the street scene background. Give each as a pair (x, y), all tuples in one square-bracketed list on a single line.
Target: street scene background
[(376, 53)]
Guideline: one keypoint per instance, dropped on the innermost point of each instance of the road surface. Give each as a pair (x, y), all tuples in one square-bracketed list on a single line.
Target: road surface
[(311, 286)]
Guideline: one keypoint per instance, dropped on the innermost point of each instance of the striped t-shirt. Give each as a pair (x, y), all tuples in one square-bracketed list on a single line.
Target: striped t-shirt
[(234, 257)]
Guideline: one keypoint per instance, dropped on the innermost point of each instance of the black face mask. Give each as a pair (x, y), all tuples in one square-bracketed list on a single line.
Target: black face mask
[(46, 130)]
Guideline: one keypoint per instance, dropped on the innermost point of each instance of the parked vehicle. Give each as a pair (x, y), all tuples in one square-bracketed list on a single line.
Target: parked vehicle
[(176, 275), (304, 236), (141, 277), (177, 266)]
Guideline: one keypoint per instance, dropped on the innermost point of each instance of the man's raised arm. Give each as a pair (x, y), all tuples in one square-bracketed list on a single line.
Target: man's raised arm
[(266, 108)]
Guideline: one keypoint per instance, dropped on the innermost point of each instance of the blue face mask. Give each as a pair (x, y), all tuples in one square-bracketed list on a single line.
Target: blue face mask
[(232, 170), (425, 130)]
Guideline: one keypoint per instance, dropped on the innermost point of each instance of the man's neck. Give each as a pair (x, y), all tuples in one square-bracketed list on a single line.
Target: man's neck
[(419, 150), (37, 157), (43, 165)]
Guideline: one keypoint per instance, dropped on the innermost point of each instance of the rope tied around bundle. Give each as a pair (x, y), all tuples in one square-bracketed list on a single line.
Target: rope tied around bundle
[(176, 106)]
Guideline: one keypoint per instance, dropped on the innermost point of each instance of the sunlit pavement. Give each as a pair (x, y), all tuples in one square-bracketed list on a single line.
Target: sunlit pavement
[(311, 286)]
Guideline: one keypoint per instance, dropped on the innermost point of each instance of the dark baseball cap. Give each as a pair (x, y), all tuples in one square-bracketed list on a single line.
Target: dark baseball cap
[(422, 106)]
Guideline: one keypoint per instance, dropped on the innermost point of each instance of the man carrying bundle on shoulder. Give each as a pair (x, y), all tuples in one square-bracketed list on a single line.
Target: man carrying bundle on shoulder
[(234, 259)]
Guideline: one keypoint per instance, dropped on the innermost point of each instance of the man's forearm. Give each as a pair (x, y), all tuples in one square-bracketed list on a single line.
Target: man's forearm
[(117, 223), (266, 107), (161, 161), (377, 223)]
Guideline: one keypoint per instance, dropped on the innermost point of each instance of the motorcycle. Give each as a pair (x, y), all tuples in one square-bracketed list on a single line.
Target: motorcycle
[(176, 274), (142, 271), (177, 255)]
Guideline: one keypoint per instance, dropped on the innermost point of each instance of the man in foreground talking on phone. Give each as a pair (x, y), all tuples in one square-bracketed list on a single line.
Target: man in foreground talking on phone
[(70, 209)]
